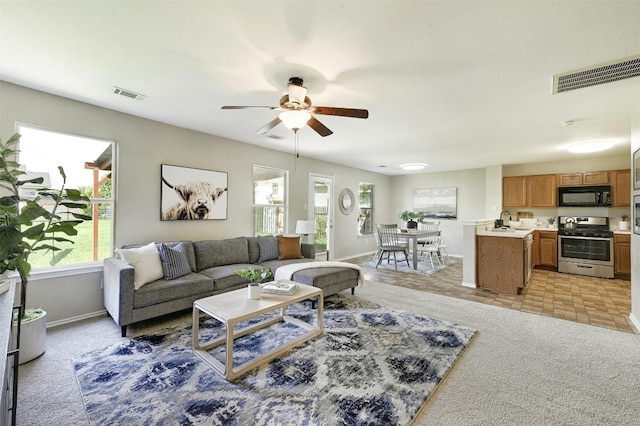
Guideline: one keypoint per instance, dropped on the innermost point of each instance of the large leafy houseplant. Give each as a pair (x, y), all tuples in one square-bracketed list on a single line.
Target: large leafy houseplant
[(26, 225)]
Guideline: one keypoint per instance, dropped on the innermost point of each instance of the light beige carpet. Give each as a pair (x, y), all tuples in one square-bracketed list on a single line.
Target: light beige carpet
[(521, 368)]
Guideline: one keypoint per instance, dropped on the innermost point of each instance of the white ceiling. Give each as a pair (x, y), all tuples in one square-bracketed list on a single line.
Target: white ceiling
[(455, 84)]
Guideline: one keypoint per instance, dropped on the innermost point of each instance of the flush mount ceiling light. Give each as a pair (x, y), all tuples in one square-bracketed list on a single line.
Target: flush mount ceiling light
[(413, 166), (592, 146), (294, 120)]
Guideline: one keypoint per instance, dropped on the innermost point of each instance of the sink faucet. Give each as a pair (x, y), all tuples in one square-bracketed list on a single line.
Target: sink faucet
[(505, 211)]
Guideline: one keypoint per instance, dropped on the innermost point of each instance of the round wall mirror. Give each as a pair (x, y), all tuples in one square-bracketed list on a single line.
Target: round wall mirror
[(346, 201)]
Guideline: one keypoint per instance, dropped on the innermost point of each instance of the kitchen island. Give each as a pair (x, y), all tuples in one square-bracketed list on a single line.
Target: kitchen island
[(503, 259)]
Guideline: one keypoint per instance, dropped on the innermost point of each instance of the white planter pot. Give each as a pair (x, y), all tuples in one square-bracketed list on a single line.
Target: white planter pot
[(254, 292), (623, 225), (33, 338)]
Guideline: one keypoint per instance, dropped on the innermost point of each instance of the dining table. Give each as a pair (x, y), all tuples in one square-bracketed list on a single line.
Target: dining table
[(414, 236)]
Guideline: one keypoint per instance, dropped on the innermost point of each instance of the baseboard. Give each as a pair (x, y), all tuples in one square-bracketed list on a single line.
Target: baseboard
[(634, 321), (470, 285), (76, 319)]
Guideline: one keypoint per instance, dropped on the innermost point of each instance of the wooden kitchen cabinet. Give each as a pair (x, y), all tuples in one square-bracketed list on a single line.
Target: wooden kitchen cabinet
[(542, 191), (587, 178), (548, 249), (501, 263), (514, 191), (622, 255), (621, 188)]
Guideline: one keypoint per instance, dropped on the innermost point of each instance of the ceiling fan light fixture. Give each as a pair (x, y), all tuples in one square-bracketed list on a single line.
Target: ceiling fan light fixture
[(413, 166), (591, 146), (294, 120)]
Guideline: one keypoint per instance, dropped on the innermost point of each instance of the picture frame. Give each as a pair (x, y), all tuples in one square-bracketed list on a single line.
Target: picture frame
[(636, 169), (635, 210), (436, 203), (188, 193)]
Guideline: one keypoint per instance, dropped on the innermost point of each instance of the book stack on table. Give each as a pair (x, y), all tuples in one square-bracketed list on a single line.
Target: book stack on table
[(280, 287)]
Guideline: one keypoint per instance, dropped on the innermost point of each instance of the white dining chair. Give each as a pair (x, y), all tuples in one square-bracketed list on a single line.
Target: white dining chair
[(442, 248), (430, 250)]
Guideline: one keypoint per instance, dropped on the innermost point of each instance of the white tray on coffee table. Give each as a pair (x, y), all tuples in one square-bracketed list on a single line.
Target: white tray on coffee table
[(234, 307)]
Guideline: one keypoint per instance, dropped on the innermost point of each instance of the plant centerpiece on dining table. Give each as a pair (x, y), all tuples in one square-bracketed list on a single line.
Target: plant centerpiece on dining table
[(411, 218)]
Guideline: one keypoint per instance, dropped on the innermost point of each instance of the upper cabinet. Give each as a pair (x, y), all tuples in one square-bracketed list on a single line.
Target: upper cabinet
[(621, 188), (542, 191), (514, 191), (529, 191), (587, 178)]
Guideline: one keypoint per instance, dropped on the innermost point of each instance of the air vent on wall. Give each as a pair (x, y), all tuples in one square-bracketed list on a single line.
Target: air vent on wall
[(128, 93), (598, 74)]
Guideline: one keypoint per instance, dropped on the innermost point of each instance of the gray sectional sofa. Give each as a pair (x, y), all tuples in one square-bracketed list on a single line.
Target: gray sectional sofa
[(203, 268)]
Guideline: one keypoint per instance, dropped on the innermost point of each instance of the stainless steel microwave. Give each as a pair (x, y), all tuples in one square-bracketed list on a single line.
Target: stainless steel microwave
[(584, 196)]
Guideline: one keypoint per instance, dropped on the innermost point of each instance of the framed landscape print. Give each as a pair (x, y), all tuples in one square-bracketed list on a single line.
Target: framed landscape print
[(436, 203), (192, 194)]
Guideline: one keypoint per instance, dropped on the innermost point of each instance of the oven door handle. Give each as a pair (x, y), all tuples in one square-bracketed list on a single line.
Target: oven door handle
[(586, 238)]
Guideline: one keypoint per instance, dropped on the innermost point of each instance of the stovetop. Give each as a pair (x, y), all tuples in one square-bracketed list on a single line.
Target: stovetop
[(585, 226)]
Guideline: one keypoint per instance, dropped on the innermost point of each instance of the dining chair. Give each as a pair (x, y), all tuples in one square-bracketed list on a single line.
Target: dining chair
[(390, 243), (431, 250), (442, 248), (427, 226)]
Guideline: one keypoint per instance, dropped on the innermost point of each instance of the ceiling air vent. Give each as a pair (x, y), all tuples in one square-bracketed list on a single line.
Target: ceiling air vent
[(128, 93), (598, 74), (275, 137)]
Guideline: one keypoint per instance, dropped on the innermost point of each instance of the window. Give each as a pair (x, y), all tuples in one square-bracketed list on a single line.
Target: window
[(365, 214), (87, 164), (269, 200)]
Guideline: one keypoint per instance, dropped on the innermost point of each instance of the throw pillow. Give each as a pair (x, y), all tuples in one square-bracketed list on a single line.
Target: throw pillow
[(175, 262), (289, 248), (269, 248), (146, 262)]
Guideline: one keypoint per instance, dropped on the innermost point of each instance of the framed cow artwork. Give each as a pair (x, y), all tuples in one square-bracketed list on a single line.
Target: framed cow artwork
[(192, 194)]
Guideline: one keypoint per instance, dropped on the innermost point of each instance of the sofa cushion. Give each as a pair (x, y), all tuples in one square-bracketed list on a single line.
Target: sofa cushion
[(188, 244), (289, 248), (165, 291), (269, 248), (254, 249), (175, 262), (325, 277), (224, 276), (210, 253), (145, 261)]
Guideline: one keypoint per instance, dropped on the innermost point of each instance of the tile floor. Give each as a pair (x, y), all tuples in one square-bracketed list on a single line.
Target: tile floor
[(595, 301)]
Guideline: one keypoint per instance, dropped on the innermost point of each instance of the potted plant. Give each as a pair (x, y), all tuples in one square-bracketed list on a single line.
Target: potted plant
[(410, 217), (624, 224), (27, 227), (255, 277), (551, 221)]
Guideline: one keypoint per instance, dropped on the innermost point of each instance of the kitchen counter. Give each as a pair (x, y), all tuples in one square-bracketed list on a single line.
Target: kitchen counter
[(508, 233)]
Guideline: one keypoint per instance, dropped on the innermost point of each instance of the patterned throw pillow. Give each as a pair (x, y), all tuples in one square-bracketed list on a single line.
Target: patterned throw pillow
[(289, 248), (268, 248), (175, 262)]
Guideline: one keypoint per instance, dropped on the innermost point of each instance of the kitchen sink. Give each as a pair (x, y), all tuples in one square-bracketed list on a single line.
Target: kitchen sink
[(503, 230)]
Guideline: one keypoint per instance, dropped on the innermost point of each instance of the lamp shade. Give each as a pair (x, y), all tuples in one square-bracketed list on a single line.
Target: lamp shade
[(294, 119), (305, 227)]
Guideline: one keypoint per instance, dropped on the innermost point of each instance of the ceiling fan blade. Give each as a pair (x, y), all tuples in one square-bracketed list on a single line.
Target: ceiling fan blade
[(320, 128), (247, 107), (343, 112), (270, 125)]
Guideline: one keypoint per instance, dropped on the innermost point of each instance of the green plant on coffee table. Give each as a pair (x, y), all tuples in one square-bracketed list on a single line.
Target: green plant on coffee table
[(26, 226), (255, 276)]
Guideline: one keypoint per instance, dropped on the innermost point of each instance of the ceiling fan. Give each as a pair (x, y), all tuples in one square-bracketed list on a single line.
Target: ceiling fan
[(297, 111)]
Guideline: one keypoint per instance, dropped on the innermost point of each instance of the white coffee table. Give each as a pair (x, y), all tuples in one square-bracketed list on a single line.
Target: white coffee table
[(233, 307)]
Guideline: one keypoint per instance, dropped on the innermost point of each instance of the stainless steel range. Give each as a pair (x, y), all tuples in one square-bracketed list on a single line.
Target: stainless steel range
[(585, 246)]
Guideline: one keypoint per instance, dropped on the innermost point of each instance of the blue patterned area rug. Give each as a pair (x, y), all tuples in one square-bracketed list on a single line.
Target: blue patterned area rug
[(424, 267), (371, 366)]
